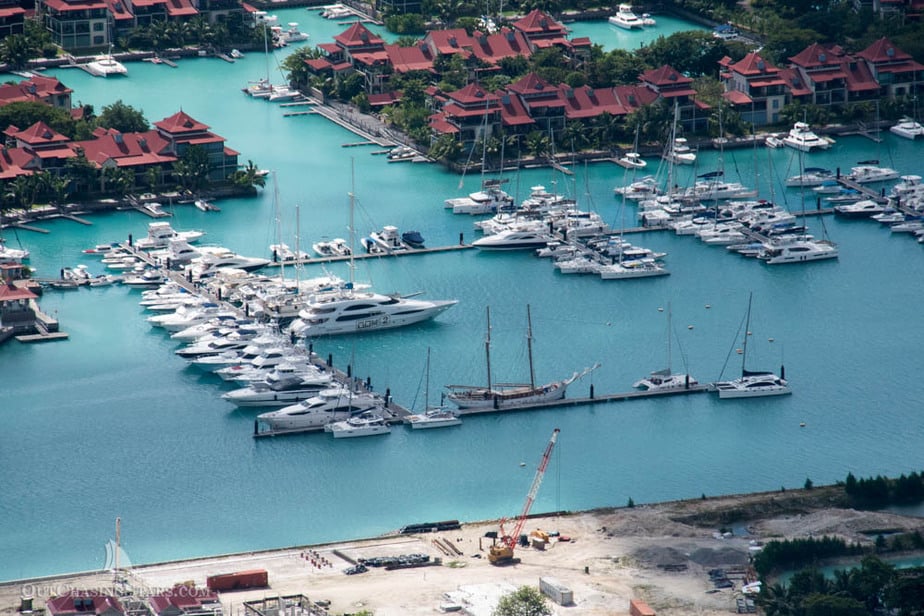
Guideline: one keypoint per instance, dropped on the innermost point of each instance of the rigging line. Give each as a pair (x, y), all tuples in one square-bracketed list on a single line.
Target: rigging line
[(733, 346)]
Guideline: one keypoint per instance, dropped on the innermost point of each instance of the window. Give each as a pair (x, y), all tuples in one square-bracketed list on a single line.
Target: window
[(98, 40), (98, 27)]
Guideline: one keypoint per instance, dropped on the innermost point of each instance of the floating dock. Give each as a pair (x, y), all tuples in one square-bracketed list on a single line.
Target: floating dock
[(371, 255)]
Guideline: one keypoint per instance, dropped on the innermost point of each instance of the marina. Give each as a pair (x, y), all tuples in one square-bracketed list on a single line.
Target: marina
[(119, 391)]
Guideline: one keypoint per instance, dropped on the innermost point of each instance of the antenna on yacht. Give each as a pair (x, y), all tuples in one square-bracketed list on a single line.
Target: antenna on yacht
[(487, 346)]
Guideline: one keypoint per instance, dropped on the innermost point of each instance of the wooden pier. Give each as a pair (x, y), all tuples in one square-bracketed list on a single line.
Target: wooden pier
[(371, 255), (860, 188)]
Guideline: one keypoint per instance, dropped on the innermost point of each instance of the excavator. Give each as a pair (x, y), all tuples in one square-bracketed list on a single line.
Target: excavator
[(502, 553)]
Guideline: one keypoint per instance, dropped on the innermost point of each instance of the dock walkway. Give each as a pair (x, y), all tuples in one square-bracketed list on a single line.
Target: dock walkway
[(860, 188)]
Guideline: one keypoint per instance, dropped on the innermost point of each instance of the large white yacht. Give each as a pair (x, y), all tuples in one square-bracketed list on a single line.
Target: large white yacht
[(106, 66), (753, 385), (214, 259), (349, 311), (798, 250), (625, 18), (282, 392), (160, 235), (514, 239), (907, 127), (802, 138), (489, 200), (326, 406)]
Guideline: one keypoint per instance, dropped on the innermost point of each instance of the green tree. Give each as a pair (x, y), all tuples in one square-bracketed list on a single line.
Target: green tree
[(16, 50), (25, 114), (249, 176), (537, 143), (524, 601), (295, 67), (123, 118), (192, 169), (447, 148)]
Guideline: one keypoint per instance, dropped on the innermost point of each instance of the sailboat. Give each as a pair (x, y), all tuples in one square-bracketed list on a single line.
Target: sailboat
[(262, 88), (665, 380), (503, 396), (752, 384), (348, 310), (432, 417)]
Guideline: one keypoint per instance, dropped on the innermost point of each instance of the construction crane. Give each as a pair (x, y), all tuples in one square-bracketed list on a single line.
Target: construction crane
[(502, 553)]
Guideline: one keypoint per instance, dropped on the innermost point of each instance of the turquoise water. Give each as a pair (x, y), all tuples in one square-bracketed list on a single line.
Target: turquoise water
[(112, 424)]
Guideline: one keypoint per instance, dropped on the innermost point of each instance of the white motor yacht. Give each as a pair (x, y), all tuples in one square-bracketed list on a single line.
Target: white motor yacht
[(280, 393), (871, 173), (337, 247), (349, 311), (367, 423), (802, 138), (326, 406), (489, 200), (643, 188), (632, 160), (907, 127), (214, 259), (810, 176), (514, 239), (626, 19), (859, 209), (160, 235), (680, 152), (798, 250)]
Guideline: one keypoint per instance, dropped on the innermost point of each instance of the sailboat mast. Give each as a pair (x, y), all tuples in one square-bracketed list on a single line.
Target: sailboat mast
[(298, 251), (352, 229), (278, 250), (427, 384), (747, 332), (669, 332), (529, 347), (118, 543), (487, 346)]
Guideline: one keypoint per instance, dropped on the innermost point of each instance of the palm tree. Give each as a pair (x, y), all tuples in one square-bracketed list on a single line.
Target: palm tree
[(537, 143), (775, 600), (249, 176)]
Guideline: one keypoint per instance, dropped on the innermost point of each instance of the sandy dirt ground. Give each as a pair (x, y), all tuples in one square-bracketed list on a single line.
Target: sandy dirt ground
[(659, 553)]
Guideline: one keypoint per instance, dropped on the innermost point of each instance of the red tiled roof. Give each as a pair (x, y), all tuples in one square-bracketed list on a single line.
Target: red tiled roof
[(119, 10), (775, 80), (229, 152), (15, 162), (678, 93), (581, 41), (665, 76), (826, 76), (11, 11), (342, 66), (34, 89), (817, 56), (371, 58), (447, 42), (63, 6), (538, 22), (440, 124), (358, 35), (318, 64), (492, 48), (474, 94), (795, 83), (176, 8), (533, 87), (36, 135), (586, 102), (634, 96), (127, 149), (513, 113), (183, 597), (329, 47), (753, 64), (180, 122), (407, 59), (883, 51), (859, 77), (736, 97), (64, 604), (383, 99), (455, 110), (11, 293)]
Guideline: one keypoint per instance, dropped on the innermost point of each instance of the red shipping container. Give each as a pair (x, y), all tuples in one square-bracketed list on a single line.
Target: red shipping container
[(255, 578)]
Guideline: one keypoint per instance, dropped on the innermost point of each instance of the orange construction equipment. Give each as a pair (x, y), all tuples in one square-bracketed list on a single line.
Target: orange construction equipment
[(502, 553)]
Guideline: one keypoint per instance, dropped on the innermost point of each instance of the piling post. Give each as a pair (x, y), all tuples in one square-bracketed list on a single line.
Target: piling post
[(330, 360)]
